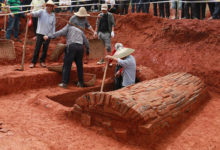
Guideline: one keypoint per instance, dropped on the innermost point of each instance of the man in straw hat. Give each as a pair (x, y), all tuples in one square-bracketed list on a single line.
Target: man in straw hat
[(76, 41), (46, 26), (80, 19), (105, 27), (127, 61)]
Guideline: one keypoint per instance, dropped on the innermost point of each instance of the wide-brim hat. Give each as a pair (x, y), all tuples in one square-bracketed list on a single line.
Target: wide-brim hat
[(123, 52), (82, 12), (104, 7), (51, 3)]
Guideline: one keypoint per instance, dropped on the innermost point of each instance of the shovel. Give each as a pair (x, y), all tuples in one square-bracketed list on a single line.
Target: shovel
[(103, 80), (24, 47)]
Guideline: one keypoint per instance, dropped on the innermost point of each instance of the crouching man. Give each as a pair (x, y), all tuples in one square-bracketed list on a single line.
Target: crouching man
[(76, 40), (128, 63)]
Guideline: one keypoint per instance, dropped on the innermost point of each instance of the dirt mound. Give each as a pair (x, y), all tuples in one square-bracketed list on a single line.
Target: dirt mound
[(165, 46), (169, 46)]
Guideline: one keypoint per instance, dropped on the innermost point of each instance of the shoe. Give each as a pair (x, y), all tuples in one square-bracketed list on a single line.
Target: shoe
[(80, 84), (101, 61), (63, 85), (42, 64), (210, 18), (32, 65)]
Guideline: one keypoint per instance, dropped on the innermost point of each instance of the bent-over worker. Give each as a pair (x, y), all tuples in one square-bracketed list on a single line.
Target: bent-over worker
[(127, 61), (74, 52)]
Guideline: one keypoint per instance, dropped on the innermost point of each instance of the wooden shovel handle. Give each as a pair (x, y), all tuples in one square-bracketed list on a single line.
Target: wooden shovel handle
[(103, 80), (24, 45)]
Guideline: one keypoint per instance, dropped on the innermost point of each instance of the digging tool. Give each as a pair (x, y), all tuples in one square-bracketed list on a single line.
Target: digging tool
[(103, 80), (72, 15), (75, 25), (24, 47), (5, 20)]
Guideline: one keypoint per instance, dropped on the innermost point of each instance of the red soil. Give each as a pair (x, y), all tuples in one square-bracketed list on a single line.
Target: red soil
[(165, 46)]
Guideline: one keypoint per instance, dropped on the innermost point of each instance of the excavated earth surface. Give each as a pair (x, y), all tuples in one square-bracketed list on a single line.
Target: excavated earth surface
[(181, 56)]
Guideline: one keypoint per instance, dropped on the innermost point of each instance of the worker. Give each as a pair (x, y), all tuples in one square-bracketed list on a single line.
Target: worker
[(127, 61), (76, 41), (105, 29), (46, 26)]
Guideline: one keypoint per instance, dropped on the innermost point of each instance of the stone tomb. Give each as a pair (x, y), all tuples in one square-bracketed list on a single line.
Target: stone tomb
[(146, 108)]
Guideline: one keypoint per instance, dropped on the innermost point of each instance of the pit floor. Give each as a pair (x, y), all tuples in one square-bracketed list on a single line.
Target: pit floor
[(30, 120)]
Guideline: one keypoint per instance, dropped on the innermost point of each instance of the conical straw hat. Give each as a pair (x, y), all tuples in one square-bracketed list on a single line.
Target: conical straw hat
[(82, 12), (123, 52), (50, 2)]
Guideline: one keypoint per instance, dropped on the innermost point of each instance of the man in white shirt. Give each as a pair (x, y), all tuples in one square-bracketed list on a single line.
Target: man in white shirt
[(35, 6), (46, 26)]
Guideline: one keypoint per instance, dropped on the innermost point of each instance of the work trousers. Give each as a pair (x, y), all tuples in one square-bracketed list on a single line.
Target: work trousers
[(216, 13), (73, 52), (13, 23), (74, 8), (211, 8), (183, 11), (124, 7), (134, 5), (143, 5), (35, 20), (198, 10), (40, 41), (155, 7), (188, 10), (118, 80), (164, 9)]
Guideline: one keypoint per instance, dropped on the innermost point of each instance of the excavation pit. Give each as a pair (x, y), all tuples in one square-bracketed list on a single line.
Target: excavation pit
[(68, 98)]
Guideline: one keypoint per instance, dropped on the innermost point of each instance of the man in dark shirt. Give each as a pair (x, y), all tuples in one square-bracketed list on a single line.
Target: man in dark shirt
[(105, 27)]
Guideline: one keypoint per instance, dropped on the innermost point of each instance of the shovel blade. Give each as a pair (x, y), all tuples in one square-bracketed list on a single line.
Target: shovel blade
[(7, 50), (97, 49)]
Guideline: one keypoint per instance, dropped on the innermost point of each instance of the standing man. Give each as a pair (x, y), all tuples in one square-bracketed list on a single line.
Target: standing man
[(14, 19), (124, 4), (211, 6), (35, 6), (187, 7), (164, 9), (216, 13), (105, 28), (176, 6), (74, 52), (155, 5), (46, 26)]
